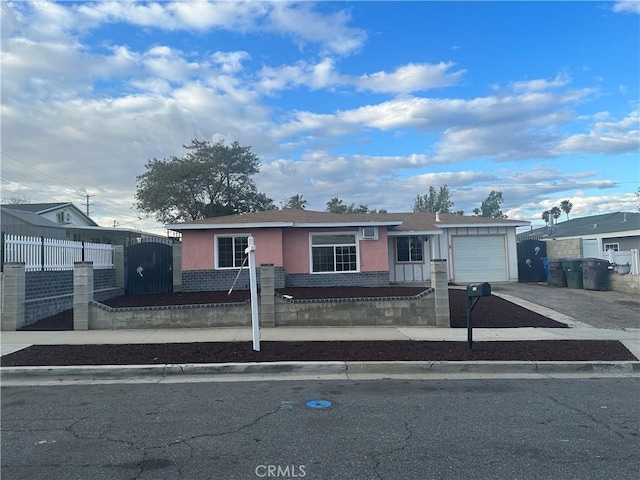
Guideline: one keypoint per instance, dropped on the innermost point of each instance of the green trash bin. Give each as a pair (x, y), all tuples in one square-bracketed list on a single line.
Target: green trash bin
[(595, 274), (573, 271), (556, 276)]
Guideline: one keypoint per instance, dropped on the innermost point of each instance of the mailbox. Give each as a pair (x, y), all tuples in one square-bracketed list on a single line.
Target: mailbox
[(479, 290)]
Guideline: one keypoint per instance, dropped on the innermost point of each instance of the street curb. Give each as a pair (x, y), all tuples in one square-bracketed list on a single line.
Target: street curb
[(168, 371)]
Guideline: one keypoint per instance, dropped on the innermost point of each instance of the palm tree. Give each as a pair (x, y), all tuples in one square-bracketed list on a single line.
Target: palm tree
[(296, 202), (335, 205), (545, 215), (566, 207), (556, 212)]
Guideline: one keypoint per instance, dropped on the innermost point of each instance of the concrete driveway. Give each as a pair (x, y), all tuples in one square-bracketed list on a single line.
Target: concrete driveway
[(613, 310)]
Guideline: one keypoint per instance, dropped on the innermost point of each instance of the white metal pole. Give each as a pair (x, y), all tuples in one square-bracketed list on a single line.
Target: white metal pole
[(255, 324)]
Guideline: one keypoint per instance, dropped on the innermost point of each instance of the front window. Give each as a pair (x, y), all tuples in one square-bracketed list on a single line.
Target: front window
[(231, 251), (611, 246), (334, 253), (409, 249)]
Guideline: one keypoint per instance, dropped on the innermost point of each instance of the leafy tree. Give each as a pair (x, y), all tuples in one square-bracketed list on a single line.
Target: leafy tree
[(209, 180), (490, 207), (336, 205), (435, 201), (296, 202), (566, 207)]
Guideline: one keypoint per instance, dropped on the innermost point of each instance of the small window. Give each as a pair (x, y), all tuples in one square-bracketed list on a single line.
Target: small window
[(334, 253), (409, 249), (231, 251), (612, 246)]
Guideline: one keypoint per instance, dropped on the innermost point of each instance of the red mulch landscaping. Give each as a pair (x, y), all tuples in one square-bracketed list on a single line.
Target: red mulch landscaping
[(490, 312), (241, 352)]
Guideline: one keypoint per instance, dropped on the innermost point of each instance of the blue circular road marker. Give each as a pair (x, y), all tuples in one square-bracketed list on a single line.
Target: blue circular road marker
[(319, 403)]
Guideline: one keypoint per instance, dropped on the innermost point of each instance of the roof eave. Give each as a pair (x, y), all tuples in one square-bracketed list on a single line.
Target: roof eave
[(226, 226), (398, 233), (362, 223), (514, 223)]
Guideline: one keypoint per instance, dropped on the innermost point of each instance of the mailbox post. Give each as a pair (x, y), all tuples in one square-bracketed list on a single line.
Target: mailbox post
[(474, 292)]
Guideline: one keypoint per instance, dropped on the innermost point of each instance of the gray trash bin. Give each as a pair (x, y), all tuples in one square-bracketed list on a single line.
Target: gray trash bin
[(595, 274)]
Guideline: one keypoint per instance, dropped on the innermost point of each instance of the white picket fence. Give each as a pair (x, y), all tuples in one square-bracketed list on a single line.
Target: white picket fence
[(51, 254)]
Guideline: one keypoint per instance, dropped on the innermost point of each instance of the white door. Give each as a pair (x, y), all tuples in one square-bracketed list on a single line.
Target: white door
[(479, 259)]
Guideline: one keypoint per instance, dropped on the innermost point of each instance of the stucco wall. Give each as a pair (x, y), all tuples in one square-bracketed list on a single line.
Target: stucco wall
[(198, 247), (288, 248)]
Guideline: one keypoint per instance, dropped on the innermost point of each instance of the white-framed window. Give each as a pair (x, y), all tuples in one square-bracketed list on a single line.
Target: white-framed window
[(409, 249), (611, 246), (230, 250), (334, 252)]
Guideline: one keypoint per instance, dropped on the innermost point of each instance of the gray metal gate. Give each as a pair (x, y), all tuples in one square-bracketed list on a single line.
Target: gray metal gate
[(149, 268)]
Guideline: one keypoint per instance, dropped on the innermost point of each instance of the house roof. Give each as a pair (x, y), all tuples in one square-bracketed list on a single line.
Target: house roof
[(30, 217), (37, 207), (42, 208), (595, 225), (288, 217)]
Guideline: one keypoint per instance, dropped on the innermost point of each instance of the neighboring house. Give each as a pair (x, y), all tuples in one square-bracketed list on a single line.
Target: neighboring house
[(325, 249), (618, 231), (64, 221)]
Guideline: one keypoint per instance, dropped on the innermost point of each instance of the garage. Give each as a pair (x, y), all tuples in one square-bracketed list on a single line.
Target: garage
[(479, 259)]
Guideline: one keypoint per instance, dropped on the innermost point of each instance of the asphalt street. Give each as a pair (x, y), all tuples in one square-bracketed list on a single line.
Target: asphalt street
[(384, 429)]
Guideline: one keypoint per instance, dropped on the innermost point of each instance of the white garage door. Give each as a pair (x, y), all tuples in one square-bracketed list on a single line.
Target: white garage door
[(479, 259)]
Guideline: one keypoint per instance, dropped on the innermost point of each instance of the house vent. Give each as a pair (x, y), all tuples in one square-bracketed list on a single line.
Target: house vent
[(369, 233)]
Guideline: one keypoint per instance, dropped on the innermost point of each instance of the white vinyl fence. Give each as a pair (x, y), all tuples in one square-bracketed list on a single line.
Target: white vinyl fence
[(38, 253), (632, 257)]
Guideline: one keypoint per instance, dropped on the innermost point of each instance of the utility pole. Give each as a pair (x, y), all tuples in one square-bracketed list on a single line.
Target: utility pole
[(88, 196)]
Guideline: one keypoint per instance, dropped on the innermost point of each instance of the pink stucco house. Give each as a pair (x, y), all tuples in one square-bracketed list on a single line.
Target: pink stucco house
[(310, 248)]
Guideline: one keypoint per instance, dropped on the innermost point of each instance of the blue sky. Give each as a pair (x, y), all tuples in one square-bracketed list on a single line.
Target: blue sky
[(372, 102)]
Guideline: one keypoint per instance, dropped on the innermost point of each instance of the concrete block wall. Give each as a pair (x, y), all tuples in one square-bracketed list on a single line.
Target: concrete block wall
[(569, 248), (626, 284), (356, 312), (221, 280), (31, 296), (425, 309), (361, 279), (102, 317), (82, 294), (12, 289), (440, 283)]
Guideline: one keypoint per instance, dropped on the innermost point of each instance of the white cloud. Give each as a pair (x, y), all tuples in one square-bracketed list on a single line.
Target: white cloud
[(542, 84), (605, 137), (99, 112), (627, 6), (410, 78), (404, 79)]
